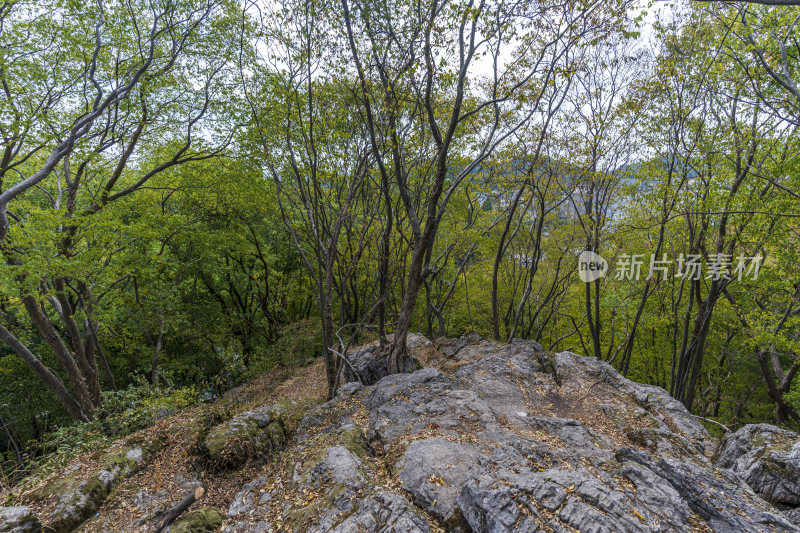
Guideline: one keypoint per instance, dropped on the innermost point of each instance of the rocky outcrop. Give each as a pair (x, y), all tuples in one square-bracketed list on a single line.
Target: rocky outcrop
[(502, 438), (367, 365), (18, 520), (768, 459), (259, 432), (341, 496), (76, 495), (78, 498)]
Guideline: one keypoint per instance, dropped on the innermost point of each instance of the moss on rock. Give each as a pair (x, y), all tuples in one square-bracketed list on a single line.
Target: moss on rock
[(202, 520), (78, 499), (354, 440), (262, 431), (75, 506)]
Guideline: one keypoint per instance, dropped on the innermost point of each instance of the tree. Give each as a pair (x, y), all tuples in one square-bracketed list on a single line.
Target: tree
[(414, 62), (125, 104), (316, 153)]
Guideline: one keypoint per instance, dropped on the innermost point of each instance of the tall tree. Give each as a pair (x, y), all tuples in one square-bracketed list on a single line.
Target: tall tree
[(127, 89)]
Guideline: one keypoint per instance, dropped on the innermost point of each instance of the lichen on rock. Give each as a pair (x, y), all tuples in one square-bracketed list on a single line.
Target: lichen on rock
[(18, 520), (258, 432)]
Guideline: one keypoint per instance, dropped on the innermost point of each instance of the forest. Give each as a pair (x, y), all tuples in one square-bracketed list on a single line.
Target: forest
[(194, 193)]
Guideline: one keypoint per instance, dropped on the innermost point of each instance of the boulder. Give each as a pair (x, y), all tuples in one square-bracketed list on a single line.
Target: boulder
[(79, 497), (259, 432), (18, 520), (767, 458), (367, 365), (78, 502)]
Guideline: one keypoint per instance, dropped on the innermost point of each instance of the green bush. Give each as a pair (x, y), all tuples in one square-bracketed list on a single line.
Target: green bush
[(141, 405), (299, 344), (793, 396), (122, 412)]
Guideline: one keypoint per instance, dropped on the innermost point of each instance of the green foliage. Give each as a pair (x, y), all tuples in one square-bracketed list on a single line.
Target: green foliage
[(138, 406), (211, 271), (793, 397), (299, 344), (141, 405)]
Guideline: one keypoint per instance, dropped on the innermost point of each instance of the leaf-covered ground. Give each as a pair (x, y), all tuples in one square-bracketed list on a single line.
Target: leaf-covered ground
[(173, 469)]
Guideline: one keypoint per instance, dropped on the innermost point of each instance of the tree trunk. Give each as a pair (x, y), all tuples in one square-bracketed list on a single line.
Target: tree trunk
[(498, 258), (777, 386), (179, 508), (88, 366), (398, 349), (49, 377), (11, 442), (697, 347), (51, 336), (154, 373)]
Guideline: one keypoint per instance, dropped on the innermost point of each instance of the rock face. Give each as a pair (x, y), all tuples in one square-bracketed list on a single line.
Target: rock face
[(18, 520), (768, 459), (507, 438)]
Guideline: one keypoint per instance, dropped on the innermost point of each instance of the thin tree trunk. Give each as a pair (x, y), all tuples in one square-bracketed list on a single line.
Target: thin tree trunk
[(11, 442), (398, 352), (51, 336), (154, 372), (91, 327), (49, 377), (88, 366)]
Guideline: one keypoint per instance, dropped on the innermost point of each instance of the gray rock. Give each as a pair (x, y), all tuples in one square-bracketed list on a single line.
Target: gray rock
[(793, 515), (340, 467), (258, 432), (367, 366), (351, 501), (433, 471), (18, 520), (767, 458), (76, 504), (349, 389), (248, 498), (364, 367), (720, 497), (494, 510), (384, 512), (507, 438)]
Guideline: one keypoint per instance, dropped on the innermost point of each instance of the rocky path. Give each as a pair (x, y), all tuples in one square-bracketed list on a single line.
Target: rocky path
[(128, 487)]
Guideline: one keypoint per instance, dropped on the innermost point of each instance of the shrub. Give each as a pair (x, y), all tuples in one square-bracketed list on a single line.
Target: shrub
[(141, 405), (122, 412), (299, 344)]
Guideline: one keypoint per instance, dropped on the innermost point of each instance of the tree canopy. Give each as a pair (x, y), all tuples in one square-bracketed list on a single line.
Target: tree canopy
[(193, 192)]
